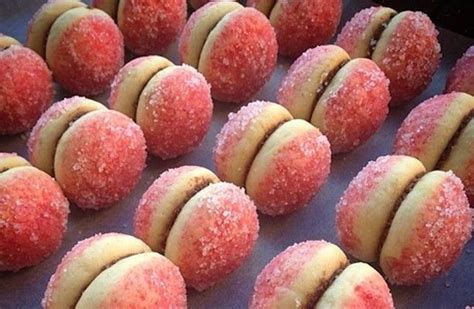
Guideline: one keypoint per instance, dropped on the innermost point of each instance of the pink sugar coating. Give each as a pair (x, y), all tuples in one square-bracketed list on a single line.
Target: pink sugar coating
[(33, 217), (280, 274), (149, 27), (468, 181), (89, 54), (461, 77), (153, 196), (441, 230), (300, 71), (352, 31), (218, 236), (178, 113), (232, 133), (416, 131), (411, 57), (103, 160), (356, 195), (243, 56), (358, 108), (306, 24), (295, 174), (156, 283), (372, 292), (54, 112), (26, 89), (75, 252)]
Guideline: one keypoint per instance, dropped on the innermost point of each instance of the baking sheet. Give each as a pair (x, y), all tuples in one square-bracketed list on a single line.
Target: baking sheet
[(24, 289)]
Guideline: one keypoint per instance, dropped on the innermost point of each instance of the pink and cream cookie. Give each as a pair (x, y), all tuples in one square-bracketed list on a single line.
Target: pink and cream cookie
[(461, 77), (440, 133), (346, 99), (415, 224), (317, 274), (26, 87), (82, 46), (235, 48), (300, 25), (95, 154), (33, 214), (114, 271), (281, 162), (172, 104), (205, 227), (404, 45), (148, 27)]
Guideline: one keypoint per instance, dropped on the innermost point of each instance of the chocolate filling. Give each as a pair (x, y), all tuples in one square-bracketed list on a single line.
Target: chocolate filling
[(198, 185), (323, 286), (260, 145), (84, 288), (326, 81), (453, 141), (397, 205), (378, 34)]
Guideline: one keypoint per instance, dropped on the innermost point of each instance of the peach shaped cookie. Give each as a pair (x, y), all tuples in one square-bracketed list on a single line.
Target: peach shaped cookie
[(26, 87), (440, 133), (404, 45), (415, 224), (33, 214), (461, 77), (317, 274), (96, 155), (281, 162), (234, 48), (172, 104), (300, 25), (148, 27), (206, 227), (346, 99), (114, 271), (82, 46)]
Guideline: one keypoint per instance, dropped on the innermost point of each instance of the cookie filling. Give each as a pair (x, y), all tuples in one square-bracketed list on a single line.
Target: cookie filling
[(323, 286), (198, 184), (326, 81), (11, 162), (378, 34), (453, 141), (397, 205)]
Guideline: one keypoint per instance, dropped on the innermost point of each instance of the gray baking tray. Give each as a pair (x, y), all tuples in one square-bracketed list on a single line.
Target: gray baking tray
[(24, 289)]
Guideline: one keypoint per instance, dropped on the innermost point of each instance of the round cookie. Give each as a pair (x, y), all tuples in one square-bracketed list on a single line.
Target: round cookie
[(317, 274), (26, 87), (95, 154), (159, 21), (281, 162), (234, 48), (172, 104), (61, 32), (206, 227), (440, 133), (300, 25), (414, 223), (33, 214), (114, 270), (346, 99), (461, 77), (404, 45)]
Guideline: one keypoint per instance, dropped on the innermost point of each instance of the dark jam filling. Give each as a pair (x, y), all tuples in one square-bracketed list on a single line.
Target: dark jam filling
[(199, 184), (378, 34), (323, 286), (325, 83), (398, 203), (453, 141)]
